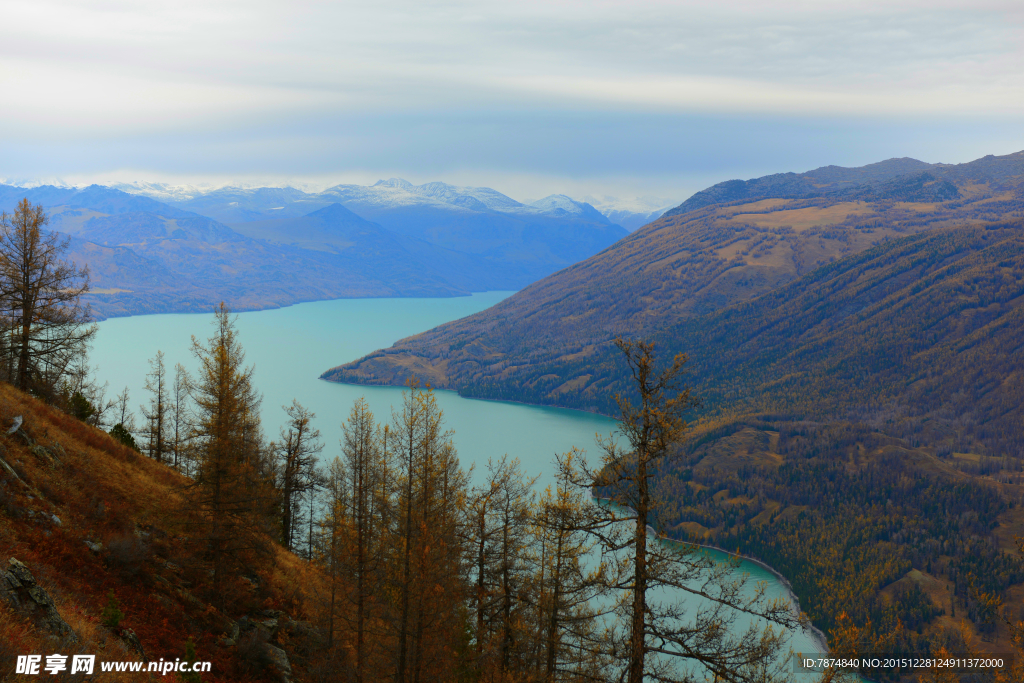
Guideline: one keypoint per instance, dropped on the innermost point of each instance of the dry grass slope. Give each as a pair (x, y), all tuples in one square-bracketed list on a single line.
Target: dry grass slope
[(103, 492)]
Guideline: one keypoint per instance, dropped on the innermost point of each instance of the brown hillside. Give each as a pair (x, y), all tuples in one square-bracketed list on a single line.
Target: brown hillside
[(689, 264), (861, 524), (88, 516)]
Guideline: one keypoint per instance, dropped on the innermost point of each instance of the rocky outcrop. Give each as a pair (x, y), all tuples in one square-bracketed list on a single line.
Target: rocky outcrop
[(279, 661), (131, 640), (19, 589), (253, 633)]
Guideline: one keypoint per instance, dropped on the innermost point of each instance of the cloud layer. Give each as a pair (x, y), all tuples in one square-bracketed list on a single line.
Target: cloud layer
[(549, 89)]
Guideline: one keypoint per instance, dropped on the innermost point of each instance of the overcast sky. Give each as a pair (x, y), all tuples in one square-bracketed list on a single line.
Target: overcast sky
[(624, 98)]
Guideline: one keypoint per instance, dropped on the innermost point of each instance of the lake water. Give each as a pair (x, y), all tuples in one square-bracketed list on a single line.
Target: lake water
[(290, 347)]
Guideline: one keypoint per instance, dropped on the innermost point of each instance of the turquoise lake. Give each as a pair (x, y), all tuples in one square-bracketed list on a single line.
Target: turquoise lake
[(290, 347)]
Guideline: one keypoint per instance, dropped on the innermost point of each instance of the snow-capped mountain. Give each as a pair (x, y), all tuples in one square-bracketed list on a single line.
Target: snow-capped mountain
[(518, 243), (631, 213), (163, 192), (244, 202), (29, 183), (562, 205), (396, 192), (241, 203)]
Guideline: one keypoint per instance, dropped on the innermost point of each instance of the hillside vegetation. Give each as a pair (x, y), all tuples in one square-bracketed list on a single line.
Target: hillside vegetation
[(879, 310), (91, 518), (904, 542), (856, 339)]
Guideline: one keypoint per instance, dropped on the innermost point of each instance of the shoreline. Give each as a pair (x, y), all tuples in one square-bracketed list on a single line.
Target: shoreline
[(469, 398), (821, 637), (256, 308), (818, 634)]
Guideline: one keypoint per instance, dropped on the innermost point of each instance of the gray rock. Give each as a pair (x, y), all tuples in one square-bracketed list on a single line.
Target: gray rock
[(56, 520), (10, 470), (45, 455), (29, 441), (279, 660), (19, 589), (95, 547), (305, 631), (132, 641), (299, 628), (58, 450), (17, 424)]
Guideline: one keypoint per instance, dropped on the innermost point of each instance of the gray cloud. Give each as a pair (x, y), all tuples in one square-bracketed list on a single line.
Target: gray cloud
[(568, 89)]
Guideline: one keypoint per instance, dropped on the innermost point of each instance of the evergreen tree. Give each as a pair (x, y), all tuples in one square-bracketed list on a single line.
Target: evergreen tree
[(230, 497), (47, 323), (157, 422), (664, 626), (296, 453), (180, 429)]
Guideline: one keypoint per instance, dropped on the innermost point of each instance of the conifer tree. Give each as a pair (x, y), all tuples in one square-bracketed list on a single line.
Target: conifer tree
[(571, 638), (662, 635), (124, 421), (331, 539), (363, 472), (499, 527), (156, 415), (429, 559), (179, 418), (297, 455), (48, 331), (230, 496)]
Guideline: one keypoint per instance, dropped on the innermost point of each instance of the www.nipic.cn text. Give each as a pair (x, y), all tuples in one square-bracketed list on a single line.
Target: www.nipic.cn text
[(85, 664)]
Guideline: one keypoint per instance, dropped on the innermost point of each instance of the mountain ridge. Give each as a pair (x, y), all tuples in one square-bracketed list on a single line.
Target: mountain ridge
[(551, 343), (259, 264)]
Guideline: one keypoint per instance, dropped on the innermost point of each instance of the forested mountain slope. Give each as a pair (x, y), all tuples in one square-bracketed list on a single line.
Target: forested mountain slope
[(858, 358), (754, 297), (84, 518), (905, 180), (887, 545)]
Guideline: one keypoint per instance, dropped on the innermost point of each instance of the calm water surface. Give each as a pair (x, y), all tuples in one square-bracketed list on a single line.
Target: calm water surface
[(290, 347)]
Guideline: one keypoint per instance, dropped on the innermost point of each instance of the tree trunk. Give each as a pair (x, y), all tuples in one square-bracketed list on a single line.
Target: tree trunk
[(637, 644)]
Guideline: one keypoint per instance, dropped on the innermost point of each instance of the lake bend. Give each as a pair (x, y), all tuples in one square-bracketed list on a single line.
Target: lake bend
[(290, 347)]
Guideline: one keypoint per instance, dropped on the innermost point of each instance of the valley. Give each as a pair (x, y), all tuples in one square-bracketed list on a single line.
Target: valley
[(852, 337), (533, 342)]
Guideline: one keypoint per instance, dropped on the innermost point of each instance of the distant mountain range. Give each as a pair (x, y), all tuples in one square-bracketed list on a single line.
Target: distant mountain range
[(630, 214), (269, 247), (892, 290), (236, 204)]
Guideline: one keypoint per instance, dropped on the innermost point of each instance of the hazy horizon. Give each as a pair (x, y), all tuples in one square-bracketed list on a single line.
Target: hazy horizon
[(619, 98)]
